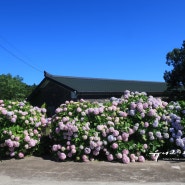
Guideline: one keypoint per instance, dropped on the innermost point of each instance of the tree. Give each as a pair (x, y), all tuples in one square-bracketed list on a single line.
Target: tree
[(12, 88), (175, 78)]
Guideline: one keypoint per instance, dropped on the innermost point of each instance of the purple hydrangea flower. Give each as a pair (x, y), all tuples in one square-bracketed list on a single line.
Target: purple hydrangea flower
[(158, 134), (166, 135), (87, 150), (132, 112), (111, 138), (155, 123), (142, 132)]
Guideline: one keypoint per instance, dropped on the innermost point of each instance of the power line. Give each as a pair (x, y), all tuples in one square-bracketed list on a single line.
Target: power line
[(12, 46), (20, 59)]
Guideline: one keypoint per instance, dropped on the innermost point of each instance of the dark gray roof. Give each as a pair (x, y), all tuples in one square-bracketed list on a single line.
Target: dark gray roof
[(81, 84)]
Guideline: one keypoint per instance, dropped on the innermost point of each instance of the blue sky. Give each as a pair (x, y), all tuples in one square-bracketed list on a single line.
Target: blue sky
[(117, 39)]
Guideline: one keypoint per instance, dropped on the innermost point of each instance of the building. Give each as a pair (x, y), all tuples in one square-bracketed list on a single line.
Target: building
[(54, 90)]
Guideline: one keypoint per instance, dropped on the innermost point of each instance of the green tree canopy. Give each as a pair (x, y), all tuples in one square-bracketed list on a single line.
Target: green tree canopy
[(13, 88), (175, 78)]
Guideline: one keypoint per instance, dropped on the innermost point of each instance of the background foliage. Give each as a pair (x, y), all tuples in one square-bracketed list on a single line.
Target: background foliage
[(13, 88), (176, 77)]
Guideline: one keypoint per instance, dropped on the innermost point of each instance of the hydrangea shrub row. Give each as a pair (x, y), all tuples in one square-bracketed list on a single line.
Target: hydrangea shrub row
[(21, 128), (125, 129)]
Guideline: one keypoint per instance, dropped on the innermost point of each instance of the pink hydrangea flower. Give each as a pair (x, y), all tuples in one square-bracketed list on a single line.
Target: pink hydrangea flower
[(125, 151), (115, 133), (119, 155), (79, 109), (85, 158), (65, 119), (58, 110), (17, 138), (65, 109), (62, 156), (73, 147), (100, 127), (9, 143), (123, 114), (141, 158), (16, 144), (95, 153), (131, 131), (90, 110), (145, 146), (43, 121), (114, 108), (133, 105), (152, 112), (119, 138), (125, 136), (21, 155), (145, 105), (13, 120), (101, 109), (32, 142), (133, 157), (38, 124), (96, 111), (35, 131), (4, 111), (12, 154), (73, 151), (146, 124), (125, 159), (110, 157), (27, 138), (114, 146), (139, 107), (153, 157)]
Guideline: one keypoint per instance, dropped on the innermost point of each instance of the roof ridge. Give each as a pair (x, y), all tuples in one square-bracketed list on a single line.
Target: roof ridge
[(46, 74)]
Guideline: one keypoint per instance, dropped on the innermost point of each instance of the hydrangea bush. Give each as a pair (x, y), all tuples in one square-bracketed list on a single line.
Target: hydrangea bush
[(125, 129), (21, 127), (177, 125)]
